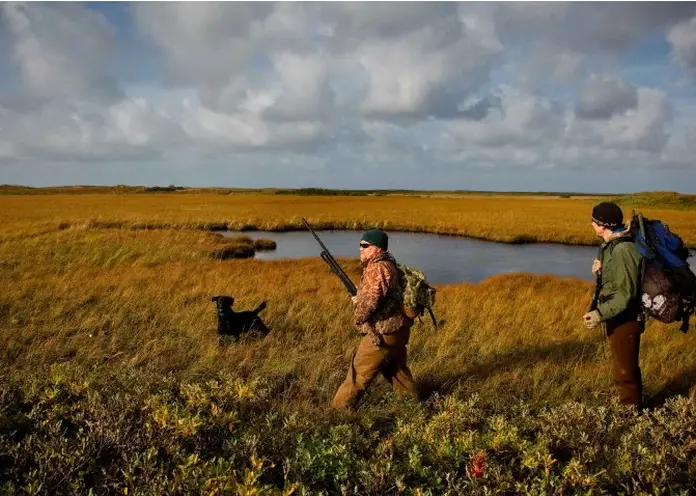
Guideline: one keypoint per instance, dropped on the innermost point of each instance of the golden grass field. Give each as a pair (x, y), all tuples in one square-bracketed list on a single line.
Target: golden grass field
[(508, 219), (81, 283), (113, 379)]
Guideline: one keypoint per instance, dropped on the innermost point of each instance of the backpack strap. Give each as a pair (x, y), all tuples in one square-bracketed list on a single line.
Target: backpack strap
[(644, 244)]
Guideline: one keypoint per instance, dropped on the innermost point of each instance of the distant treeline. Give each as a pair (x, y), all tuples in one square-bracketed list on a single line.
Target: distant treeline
[(10, 189), (386, 192), (88, 189)]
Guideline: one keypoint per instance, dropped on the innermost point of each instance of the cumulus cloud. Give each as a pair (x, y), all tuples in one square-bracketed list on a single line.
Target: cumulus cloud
[(644, 127), (245, 130), (683, 40), (128, 129), (519, 119), (533, 85), (576, 27), (559, 38), (203, 43), (427, 71), (62, 51), (601, 97)]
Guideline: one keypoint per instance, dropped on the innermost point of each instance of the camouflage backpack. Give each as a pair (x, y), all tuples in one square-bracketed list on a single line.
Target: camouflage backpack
[(418, 295)]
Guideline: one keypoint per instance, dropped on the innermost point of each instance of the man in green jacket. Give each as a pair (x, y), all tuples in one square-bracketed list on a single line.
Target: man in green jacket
[(618, 306)]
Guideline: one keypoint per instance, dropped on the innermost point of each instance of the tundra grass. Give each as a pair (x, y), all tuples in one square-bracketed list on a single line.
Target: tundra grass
[(508, 219), (114, 380)]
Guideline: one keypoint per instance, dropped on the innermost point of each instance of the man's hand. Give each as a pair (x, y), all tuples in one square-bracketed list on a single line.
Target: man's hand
[(596, 267), (592, 319), (377, 339), (354, 299)]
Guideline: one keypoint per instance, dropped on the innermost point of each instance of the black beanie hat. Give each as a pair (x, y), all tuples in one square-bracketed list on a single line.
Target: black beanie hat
[(376, 237), (608, 215)]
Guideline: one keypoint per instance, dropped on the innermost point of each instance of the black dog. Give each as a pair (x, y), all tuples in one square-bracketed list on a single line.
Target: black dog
[(231, 323)]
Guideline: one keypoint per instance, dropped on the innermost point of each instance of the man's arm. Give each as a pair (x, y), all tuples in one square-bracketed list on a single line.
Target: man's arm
[(376, 284), (624, 285)]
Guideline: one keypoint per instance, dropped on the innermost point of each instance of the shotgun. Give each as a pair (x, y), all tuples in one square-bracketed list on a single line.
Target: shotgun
[(327, 257), (335, 267)]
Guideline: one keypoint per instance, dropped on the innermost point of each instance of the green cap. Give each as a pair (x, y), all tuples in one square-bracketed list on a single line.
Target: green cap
[(376, 237)]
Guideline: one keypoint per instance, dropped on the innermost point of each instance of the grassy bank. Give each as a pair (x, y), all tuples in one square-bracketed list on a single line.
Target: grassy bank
[(113, 377), (511, 219)]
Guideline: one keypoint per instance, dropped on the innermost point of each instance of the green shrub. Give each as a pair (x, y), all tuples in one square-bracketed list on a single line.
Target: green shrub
[(72, 431)]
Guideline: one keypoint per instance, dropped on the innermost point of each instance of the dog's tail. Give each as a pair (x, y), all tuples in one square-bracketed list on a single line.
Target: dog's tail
[(260, 307)]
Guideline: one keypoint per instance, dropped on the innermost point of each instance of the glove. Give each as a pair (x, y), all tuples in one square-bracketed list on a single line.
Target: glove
[(592, 319)]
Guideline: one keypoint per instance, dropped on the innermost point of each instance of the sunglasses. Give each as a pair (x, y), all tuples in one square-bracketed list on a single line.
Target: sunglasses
[(365, 245)]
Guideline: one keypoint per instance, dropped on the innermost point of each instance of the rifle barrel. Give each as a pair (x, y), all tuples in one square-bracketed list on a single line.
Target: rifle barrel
[(315, 235), (333, 263)]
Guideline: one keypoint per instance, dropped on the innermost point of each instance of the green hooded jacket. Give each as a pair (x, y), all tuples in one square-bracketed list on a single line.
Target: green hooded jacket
[(620, 278)]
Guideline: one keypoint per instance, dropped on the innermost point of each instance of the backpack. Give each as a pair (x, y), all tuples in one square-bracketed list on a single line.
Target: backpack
[(668, 285), (418, 295)]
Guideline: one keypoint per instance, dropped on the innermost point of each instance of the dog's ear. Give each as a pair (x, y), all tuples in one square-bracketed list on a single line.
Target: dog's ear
[(215, 298)]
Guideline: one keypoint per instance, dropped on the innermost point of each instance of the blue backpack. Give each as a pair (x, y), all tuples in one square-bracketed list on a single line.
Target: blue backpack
[(668, 285)]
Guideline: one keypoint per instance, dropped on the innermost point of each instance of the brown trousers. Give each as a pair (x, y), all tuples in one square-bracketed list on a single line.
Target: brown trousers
[(624, 342), (369, 360)]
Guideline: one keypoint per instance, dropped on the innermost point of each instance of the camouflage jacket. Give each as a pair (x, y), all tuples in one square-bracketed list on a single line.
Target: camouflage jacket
[(378, 303)]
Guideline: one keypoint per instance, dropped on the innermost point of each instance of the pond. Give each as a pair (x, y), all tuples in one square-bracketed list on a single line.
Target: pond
[(443, 259)]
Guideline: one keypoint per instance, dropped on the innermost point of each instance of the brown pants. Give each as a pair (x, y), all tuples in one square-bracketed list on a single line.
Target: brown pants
[(624, 342), (368, 361)]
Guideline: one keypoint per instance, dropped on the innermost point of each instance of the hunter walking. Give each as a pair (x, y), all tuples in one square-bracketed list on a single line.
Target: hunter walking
[(379, 318)]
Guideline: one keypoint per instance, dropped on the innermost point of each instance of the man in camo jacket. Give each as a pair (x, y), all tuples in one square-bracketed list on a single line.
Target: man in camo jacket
[(380, 320)]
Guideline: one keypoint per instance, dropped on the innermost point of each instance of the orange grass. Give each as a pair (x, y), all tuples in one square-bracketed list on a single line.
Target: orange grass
[(506, 219), (105, 298)]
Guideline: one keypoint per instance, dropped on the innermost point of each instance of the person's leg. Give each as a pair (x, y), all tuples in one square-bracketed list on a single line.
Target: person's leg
[(367, 362), (624, 342), (396, 371)]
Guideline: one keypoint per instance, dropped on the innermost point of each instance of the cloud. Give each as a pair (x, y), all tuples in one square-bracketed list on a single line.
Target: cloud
[(559, 39), (417, 59), (644, 127), (682, 37), (129, 129), (601, 97), (517, 119), (609, 27), (428, 71), (202, 43), (246, 130), (62, 51), (526, 130), (372, 87), (351, 22)]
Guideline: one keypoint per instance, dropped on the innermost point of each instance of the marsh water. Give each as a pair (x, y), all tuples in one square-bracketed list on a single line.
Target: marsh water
[(444, 259)]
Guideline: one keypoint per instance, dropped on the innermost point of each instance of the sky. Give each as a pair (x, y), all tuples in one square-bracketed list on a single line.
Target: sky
[(575, 97)]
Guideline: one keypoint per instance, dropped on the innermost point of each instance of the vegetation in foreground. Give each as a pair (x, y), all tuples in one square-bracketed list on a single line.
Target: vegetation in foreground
[(136, 432), (113, 378)]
